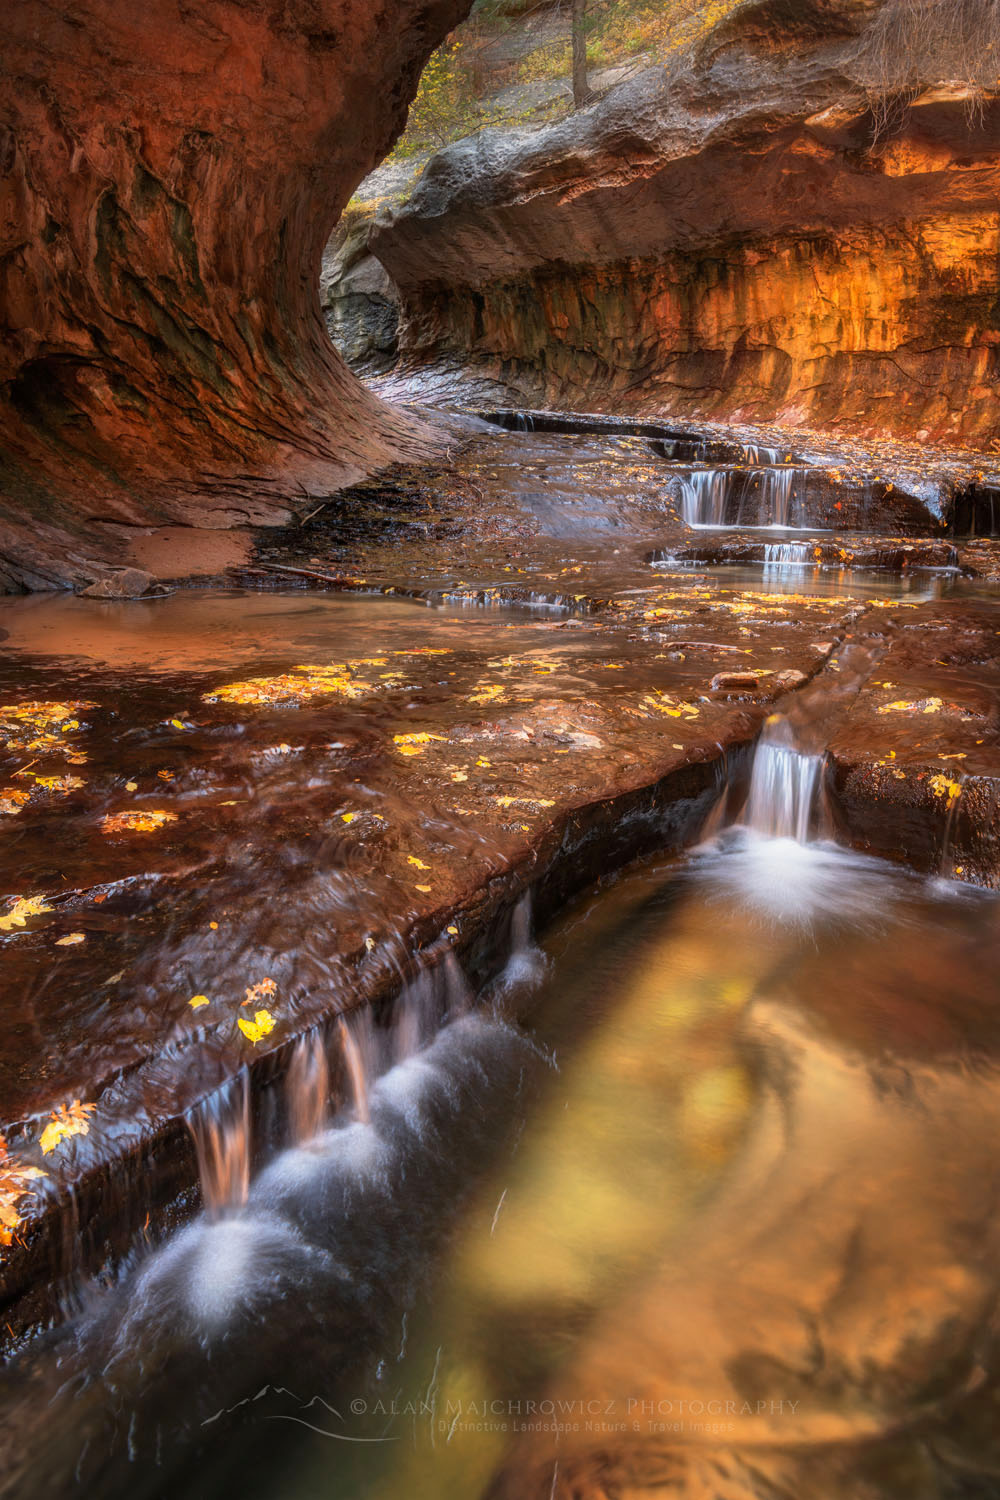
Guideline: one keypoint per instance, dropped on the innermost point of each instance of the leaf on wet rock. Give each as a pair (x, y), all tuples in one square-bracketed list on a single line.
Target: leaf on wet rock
[(197, 1001), (943, 786), (68, 1120), (12, 799), (918, 706), (492, 692), (414, 744), (412, 859), (15, 1184), (137, 820), (261, 1026), (71, 940), (23, 908), (264, 989), (64, 784)]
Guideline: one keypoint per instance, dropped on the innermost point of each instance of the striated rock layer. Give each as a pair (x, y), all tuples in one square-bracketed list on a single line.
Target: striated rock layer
[(733, 239), (169, 174)]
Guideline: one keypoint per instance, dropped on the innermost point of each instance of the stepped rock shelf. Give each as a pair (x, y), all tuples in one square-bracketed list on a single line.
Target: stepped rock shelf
[(476, 683)]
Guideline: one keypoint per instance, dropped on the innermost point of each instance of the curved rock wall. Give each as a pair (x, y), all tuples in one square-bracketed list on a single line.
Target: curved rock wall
[(169, 174), (735, 240)]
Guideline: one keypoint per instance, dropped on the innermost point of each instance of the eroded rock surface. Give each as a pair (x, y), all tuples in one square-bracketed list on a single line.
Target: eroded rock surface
[(169, 178), (730, 239)]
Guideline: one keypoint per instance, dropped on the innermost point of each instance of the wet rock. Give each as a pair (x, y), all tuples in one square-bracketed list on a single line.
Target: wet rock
[(734, 682), (164, 359), (725, 238), (123, 583)]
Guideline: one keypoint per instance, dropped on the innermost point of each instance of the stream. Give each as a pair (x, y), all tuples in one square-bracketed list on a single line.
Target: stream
[(348, 1178)]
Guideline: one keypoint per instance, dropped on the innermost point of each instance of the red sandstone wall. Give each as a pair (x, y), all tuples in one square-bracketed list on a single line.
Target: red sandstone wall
[(169, 173)]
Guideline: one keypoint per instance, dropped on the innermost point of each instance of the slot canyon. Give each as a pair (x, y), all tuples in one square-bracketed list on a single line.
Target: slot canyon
[(499, 749)]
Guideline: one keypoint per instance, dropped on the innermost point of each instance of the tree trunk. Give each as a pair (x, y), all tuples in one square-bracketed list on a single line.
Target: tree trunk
[(581, 89)]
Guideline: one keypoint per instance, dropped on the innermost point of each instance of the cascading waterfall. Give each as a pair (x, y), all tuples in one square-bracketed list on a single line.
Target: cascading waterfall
[(357, 1071), (221, 1130), (703, 497), (786, 554), (755, 498), (307, 1086), (782, 788)]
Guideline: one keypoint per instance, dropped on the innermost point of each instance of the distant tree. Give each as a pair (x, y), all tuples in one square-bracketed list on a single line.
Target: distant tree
[(578, 25)]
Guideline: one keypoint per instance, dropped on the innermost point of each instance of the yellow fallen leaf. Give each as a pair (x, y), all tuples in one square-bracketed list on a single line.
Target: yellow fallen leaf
[(177, 723), (71, 939), (23, 908), (921, 705), (12, 799), (197, 1001), (131, 786), (943, 786), (424, 888), (413, 744), (348, 817), (67, 1120), (261, 1026), (412, 859), (453, 931)]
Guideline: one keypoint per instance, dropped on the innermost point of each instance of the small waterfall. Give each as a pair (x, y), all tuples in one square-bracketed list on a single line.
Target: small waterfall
[(357, 1071), (221, 1129), (703, 497), (307, 1087), (782, 789), (759, 457), (774, 507), (786, 554)]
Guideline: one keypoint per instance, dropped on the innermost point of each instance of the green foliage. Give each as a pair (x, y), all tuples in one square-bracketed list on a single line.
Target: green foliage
[(510, 43)]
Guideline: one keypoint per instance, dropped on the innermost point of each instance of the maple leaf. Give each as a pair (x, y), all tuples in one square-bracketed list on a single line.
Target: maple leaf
[(23, 908), (66, 1121), (12, 799), (943, 786), (264, 989), (261, 1026), (15, 1178), (137, 820)]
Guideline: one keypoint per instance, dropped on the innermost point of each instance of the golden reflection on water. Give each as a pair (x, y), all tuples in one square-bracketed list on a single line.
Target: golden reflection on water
[(751, 1223)]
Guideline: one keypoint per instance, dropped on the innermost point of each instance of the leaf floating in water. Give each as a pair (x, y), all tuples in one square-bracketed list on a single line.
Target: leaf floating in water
[(64, 784), (137, 821), (348, 817), (261, 1026), (425, 888), (66, 1121), (411, 859), (12, 799), (131, 786), (23, 908), (197, 1001), (71, 939)]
